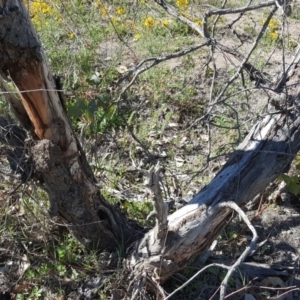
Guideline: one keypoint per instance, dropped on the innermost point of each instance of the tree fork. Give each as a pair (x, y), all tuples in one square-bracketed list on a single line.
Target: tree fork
[(64, 173)]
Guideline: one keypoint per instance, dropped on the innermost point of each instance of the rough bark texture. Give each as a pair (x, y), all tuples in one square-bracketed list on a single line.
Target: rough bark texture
[(59, 163)]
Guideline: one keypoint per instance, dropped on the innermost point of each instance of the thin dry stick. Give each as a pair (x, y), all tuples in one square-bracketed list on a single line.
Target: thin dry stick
[(171, 10), (194, 276), (278, 288), (160, 210), (139, 282), (150, 63), (217, 19), (241, 289), (235, 207), (245, 60), (204, 32), (281, 296), (240, 68), (242, 9)]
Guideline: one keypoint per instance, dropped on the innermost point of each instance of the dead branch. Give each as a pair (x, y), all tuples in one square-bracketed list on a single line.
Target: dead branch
[(160, 211), (235, 207), (171, 10), (151, 62), (194, 276)]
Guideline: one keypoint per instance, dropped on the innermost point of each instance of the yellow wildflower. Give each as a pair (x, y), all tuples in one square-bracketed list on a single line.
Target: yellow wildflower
[(274, 35), (71, 35), (45, 8), (182, 4), (149, 22), (114, 20), (120, 11), (274, 24), (137, 36), (103, 11), (198, 22), (40, 9), (98, 4), (165, 22)]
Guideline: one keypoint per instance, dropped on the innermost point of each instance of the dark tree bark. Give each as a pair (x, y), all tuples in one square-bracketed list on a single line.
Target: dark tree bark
[(62, 169), (59, 162)]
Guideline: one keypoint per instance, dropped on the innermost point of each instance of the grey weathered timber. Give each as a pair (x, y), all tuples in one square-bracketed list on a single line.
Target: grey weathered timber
[(266, 152)]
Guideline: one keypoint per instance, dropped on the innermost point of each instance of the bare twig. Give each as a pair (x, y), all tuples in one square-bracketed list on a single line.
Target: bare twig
[(235, 207), (194, 276), (160, 209), (139, 282), (281, 296), (240, 9), (216, 19), (149, 63), (245, 60), (201, 261), (241, 289)]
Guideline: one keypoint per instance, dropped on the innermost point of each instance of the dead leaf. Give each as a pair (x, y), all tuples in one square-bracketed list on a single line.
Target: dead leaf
[(122, 69), (179, 161), (204, 137)]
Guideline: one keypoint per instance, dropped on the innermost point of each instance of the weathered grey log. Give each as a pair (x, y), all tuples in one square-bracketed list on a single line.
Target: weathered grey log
[(266, 152)]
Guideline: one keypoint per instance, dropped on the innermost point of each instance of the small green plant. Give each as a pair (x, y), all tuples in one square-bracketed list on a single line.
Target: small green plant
[(70, 250), (292, 183), (61, 269), (97, 114), (45, 269), (137, 210)]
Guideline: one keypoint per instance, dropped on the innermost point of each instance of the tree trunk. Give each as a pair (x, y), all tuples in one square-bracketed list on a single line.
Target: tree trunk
[(61, 166), (59, 162)]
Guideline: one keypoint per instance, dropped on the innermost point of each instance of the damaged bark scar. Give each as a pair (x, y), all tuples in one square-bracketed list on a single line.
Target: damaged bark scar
[(189, 218), (50, 170), (46, 154)]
